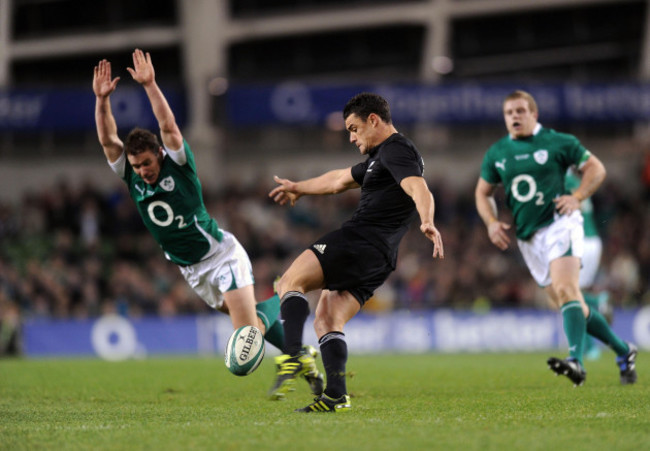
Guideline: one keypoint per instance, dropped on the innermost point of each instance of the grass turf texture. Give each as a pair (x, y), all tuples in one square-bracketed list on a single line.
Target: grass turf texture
[(432, 401)]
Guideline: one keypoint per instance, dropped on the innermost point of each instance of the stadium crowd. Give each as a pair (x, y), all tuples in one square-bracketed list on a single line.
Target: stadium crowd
[(77, 251)]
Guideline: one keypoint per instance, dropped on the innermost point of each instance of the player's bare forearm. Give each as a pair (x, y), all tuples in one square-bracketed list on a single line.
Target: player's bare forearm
[(487, 210), (161, 109), (425, 205), (107, 129), (104, 121), (332, 182), (485, 205), (417, 189), (170, 133), (593, 175)]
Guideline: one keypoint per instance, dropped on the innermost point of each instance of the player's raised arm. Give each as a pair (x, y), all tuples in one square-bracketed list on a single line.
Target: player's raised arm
[(103, 86), (486, 207), (143, 72)]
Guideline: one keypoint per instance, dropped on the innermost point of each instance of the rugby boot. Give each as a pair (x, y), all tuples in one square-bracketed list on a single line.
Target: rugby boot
[(290, 367), (570, 368), (324, 403), (627, 365)]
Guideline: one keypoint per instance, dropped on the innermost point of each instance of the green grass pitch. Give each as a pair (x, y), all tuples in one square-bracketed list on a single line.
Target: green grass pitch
[(400, 402)]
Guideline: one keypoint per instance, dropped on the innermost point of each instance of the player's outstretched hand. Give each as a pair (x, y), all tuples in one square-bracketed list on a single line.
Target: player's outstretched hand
[(433, 234), (142, 70), (286, 191), (103, 85), (498, 233)]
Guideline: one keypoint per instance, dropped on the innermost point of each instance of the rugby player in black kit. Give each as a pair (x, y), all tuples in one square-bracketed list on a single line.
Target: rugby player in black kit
[(348, 264)]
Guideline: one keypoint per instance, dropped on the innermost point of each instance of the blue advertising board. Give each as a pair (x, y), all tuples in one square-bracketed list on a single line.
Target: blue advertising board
[(296, 103), (74, 109), (115, 338), (467, 103)]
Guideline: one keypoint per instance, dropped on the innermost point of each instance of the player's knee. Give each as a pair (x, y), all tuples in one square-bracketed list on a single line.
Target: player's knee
[(323, 325), (566, 292), (290, 282), (553, 303), (284, 285)]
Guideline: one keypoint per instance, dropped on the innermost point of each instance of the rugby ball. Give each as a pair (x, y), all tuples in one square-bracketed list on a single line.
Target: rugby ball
[(245, 350)]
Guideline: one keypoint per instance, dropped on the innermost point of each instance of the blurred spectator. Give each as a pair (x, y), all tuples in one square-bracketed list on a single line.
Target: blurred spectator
[(10, 338), (645, 172)]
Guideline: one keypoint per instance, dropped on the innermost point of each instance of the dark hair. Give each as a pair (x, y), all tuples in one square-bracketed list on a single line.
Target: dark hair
[(366, 103), (140, 140)]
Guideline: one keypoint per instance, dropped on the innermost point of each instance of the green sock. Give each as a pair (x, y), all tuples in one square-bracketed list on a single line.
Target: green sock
[(574, 328), (591, 300), (269, 310), (275, 335), (598, 327)]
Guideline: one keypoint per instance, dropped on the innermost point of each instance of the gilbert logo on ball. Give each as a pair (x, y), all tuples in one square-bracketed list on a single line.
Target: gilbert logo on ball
[(245, 350)]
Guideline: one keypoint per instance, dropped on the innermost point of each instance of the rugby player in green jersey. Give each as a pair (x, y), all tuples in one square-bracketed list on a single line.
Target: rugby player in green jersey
[(163, 183), (531, 163)]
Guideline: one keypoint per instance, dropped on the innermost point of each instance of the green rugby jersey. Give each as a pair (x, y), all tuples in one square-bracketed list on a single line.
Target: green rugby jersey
[(572, 182), (532, 171), (173, 209)]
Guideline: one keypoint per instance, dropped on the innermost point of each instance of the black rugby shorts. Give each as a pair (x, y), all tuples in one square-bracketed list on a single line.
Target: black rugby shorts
[(351, 263)]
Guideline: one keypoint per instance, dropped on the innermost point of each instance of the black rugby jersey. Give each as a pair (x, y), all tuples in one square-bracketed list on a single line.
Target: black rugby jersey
[(385, 210)]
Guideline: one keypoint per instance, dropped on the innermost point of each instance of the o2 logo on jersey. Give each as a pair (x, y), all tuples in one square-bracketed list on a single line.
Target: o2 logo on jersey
[(169, 214), (532, 189)]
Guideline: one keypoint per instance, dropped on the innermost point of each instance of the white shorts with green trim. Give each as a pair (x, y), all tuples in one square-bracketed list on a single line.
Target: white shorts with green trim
[(227, 269), (563, 237)]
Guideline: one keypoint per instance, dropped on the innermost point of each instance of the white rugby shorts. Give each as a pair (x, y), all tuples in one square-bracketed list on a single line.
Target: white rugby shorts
[(564, 236), (227, 269), (590, 261)]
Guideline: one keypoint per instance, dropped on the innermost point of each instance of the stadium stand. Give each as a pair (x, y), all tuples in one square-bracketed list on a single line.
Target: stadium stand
[(72, 245)]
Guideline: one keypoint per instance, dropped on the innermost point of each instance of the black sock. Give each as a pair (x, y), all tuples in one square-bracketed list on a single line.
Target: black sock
[(295, 310), (334, 351)]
